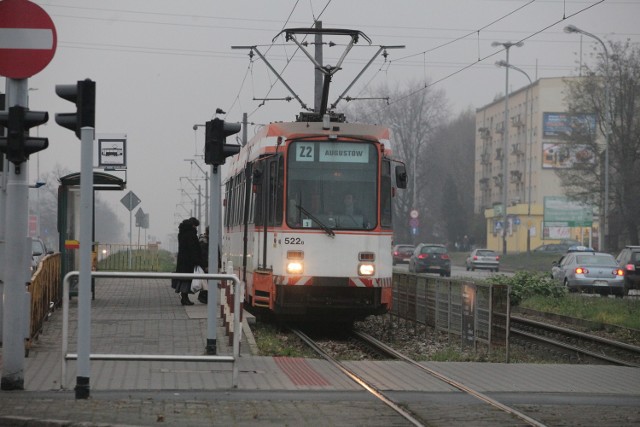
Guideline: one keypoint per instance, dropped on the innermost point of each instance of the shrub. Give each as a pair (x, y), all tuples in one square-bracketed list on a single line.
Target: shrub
[(524, 284)]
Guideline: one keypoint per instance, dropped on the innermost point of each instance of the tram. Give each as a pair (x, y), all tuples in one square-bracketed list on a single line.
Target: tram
[(302, 253), (308, 209)]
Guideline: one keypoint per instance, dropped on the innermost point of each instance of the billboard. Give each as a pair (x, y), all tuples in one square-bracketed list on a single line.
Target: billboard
[(565, 125), (562, 212), (565, 156)]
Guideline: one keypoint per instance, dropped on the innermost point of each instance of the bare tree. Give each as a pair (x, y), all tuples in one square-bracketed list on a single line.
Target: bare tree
[(453, 171), (619, 125), (413, 114)]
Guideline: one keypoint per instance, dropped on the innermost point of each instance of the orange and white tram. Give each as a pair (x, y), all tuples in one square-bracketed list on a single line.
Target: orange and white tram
[(303, 254)]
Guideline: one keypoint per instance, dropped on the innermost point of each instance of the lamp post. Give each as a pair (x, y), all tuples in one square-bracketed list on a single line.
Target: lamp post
[(513, 67), (569, 29), (206, 189), (505, 139)]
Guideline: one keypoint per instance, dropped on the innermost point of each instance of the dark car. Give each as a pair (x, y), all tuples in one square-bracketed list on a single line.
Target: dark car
[(561, 247), (430, 258), (402, 253), (629, 261)]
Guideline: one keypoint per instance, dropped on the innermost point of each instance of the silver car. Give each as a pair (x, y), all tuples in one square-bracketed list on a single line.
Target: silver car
[(593, 272), (483, 258)]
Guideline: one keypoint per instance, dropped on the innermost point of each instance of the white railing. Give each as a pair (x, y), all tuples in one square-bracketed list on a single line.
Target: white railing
[(153, 357)]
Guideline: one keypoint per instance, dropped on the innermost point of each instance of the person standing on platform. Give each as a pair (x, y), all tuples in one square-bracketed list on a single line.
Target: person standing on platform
[(189, 257)]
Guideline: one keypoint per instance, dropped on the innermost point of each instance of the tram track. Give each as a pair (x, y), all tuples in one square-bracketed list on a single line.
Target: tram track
[(576, 344), (396, 406)]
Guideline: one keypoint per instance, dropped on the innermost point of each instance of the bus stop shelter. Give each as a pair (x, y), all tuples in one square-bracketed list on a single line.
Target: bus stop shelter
[(69, 219)]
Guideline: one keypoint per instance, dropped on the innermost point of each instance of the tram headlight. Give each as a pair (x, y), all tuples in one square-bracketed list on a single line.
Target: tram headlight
[(295, 267), (366, 269)]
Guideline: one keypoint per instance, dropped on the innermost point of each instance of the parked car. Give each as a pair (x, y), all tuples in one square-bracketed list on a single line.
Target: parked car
[(483, 258), (561, 247), (402, 253), (629, 261), (593, 272), (38, 251), (430, 258)]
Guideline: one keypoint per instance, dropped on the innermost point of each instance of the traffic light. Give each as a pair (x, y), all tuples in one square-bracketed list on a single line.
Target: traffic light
[(216, 150), (83, 94), (17, 145)]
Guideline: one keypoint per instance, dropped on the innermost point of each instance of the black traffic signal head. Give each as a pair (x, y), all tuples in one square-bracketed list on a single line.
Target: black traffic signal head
[(18, 145), (216, 150), (83, 94)]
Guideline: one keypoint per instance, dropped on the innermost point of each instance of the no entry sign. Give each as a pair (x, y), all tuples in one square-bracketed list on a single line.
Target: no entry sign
[(28, 39)]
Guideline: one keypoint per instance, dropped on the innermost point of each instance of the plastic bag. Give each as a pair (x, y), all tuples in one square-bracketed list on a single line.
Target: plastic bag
[(198, 284)]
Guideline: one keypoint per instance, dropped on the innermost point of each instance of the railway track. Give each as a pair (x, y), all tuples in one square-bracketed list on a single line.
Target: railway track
[(575, 344), (396, 406)]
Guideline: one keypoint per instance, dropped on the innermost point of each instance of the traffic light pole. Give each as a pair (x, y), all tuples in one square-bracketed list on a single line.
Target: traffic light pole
[(215, 152), (16, 264), (84, 285), (214, 243)]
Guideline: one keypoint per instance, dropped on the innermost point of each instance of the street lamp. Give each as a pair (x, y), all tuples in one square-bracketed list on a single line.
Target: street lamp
[(513, 67), (607, 129), (206, 188), (505, 139)]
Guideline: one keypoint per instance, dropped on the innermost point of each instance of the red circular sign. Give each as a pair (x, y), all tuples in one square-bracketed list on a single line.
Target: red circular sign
[(28, 39)]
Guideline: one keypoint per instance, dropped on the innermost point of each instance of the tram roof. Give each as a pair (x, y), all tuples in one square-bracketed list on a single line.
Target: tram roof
[(290, 130)]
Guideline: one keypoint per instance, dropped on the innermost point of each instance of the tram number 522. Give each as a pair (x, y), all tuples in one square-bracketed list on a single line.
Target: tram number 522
[(293, 241)]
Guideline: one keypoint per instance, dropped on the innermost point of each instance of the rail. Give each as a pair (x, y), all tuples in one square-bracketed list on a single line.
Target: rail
[(153, 357)]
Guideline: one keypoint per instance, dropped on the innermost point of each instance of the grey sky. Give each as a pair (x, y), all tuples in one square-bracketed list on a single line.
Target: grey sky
[(163, 66)]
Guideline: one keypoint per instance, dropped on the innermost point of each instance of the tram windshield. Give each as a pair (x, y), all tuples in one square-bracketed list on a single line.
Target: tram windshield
[(332, 185)]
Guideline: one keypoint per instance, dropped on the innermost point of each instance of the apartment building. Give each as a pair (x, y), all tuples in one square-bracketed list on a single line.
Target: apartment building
[(537, 128)]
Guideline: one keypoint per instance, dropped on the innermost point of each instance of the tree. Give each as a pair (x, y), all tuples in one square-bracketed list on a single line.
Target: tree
[(453, 171), (622, 127), (413, 114)]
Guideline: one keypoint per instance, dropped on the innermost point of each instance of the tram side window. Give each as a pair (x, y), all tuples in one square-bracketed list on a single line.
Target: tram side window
[(385, 195), (269, 196), (227, 196), (238, 200)]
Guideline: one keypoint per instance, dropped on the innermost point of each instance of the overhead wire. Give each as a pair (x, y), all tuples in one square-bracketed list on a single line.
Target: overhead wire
[(470, 65), (495, 21)]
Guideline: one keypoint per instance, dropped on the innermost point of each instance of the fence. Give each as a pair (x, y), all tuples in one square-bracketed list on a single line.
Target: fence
[(123, 257), (46, 294), (478, 314)]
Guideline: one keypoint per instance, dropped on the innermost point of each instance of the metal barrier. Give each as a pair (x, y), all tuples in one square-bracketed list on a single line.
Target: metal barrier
[(477, 313), (238, 285), (45, 293)]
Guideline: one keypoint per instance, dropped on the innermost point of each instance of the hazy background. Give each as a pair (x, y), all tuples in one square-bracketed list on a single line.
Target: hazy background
[(163, 66)]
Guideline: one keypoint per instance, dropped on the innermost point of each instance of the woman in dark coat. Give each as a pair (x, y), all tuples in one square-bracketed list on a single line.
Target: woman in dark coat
[(189, 256)]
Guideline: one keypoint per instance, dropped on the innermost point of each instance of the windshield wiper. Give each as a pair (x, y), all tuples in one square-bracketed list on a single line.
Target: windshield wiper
[(326, 229)]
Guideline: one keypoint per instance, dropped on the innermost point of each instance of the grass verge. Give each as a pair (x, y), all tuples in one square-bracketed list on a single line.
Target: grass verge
[(613, 311)]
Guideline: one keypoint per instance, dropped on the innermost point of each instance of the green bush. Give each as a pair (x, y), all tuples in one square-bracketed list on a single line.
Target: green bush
[(525, 284)]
